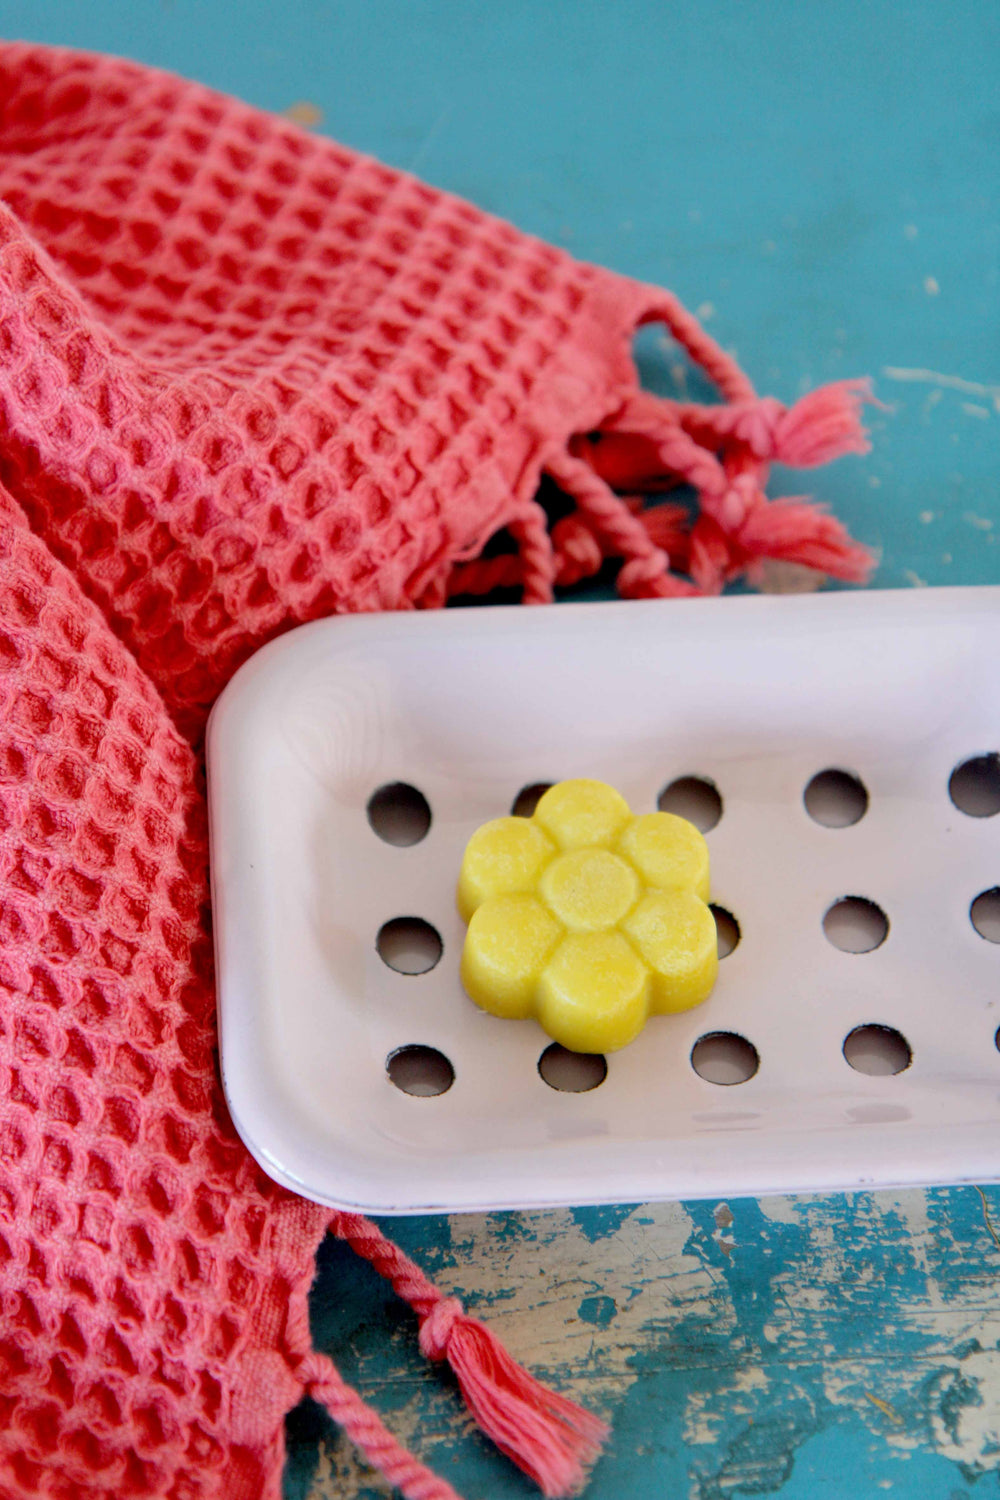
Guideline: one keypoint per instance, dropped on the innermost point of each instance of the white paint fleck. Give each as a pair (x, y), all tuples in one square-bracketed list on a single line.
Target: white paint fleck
[(960, 1429), (914, 579), (946, 557), (972, 410), (705, 311), (910, 231), (927, 516), (931, 286), (981, 523), (874, 482), (946, 382)]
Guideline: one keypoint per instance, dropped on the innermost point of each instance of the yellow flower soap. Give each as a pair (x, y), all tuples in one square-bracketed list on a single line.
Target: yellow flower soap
[(587, 918)]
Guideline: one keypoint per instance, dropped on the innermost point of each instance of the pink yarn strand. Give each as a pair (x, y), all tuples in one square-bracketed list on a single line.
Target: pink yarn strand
[(823, 425), (685, 329), (550, 1438), (322, 1381), (645, 573), (530, 531)]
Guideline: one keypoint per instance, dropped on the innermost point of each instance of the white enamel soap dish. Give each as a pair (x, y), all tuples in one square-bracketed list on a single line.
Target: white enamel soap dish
[(841, 750)]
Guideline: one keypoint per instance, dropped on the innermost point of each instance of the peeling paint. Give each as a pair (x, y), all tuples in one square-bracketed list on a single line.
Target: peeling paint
[(725, 1374)]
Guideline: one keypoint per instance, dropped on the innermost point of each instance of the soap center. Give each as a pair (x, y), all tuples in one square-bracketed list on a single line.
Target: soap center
[(590, 889)]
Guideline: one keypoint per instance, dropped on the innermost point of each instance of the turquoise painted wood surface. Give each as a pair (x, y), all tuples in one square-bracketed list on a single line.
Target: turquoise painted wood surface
[(822, 183)]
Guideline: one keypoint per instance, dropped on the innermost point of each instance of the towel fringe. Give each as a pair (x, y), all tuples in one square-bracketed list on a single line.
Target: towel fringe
[(651, 444)]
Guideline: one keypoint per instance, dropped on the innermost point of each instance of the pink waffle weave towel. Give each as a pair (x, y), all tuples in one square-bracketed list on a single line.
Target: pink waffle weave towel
[(249, 378)]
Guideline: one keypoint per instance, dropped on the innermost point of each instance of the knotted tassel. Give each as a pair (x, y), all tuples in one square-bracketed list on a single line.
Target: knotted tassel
[(823, 425), (790, 530), (801, 531), (550, 1438)]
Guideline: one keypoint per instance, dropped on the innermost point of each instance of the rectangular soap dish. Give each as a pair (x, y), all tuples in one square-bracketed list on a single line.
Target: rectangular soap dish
[(846, 745)]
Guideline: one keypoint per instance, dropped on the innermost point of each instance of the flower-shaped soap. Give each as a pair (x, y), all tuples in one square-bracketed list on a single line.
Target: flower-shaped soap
[(587, 918)]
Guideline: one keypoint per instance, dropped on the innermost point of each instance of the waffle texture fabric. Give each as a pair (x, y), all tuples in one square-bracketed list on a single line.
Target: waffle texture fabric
[(249, 378)]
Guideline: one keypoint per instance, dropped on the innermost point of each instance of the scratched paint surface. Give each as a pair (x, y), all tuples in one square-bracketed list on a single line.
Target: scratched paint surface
[(821, 183), (791, 1346)]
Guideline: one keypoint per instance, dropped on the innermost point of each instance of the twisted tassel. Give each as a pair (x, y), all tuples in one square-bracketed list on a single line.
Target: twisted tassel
[(317, 1376), (651, 441), (530, 531), (322, 1381), (823, 425), (645, 573), (723, 452), (577, 553), (550, 1438)]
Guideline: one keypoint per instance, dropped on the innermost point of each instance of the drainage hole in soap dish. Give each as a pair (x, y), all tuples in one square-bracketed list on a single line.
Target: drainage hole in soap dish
[(856, 925), (836, 799), (422, 1071), (724, 1057), (572, 1072), (877, 1050), (399, 814), (974, 786), (409, 945), (694, 798), (727, 930), (984, 914), (528, 798)]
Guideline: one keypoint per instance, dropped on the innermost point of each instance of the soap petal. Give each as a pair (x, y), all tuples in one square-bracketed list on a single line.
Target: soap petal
[(501, 858), (594, 993), (668, 852), (674, 931), (582, 814), (507, 946)]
